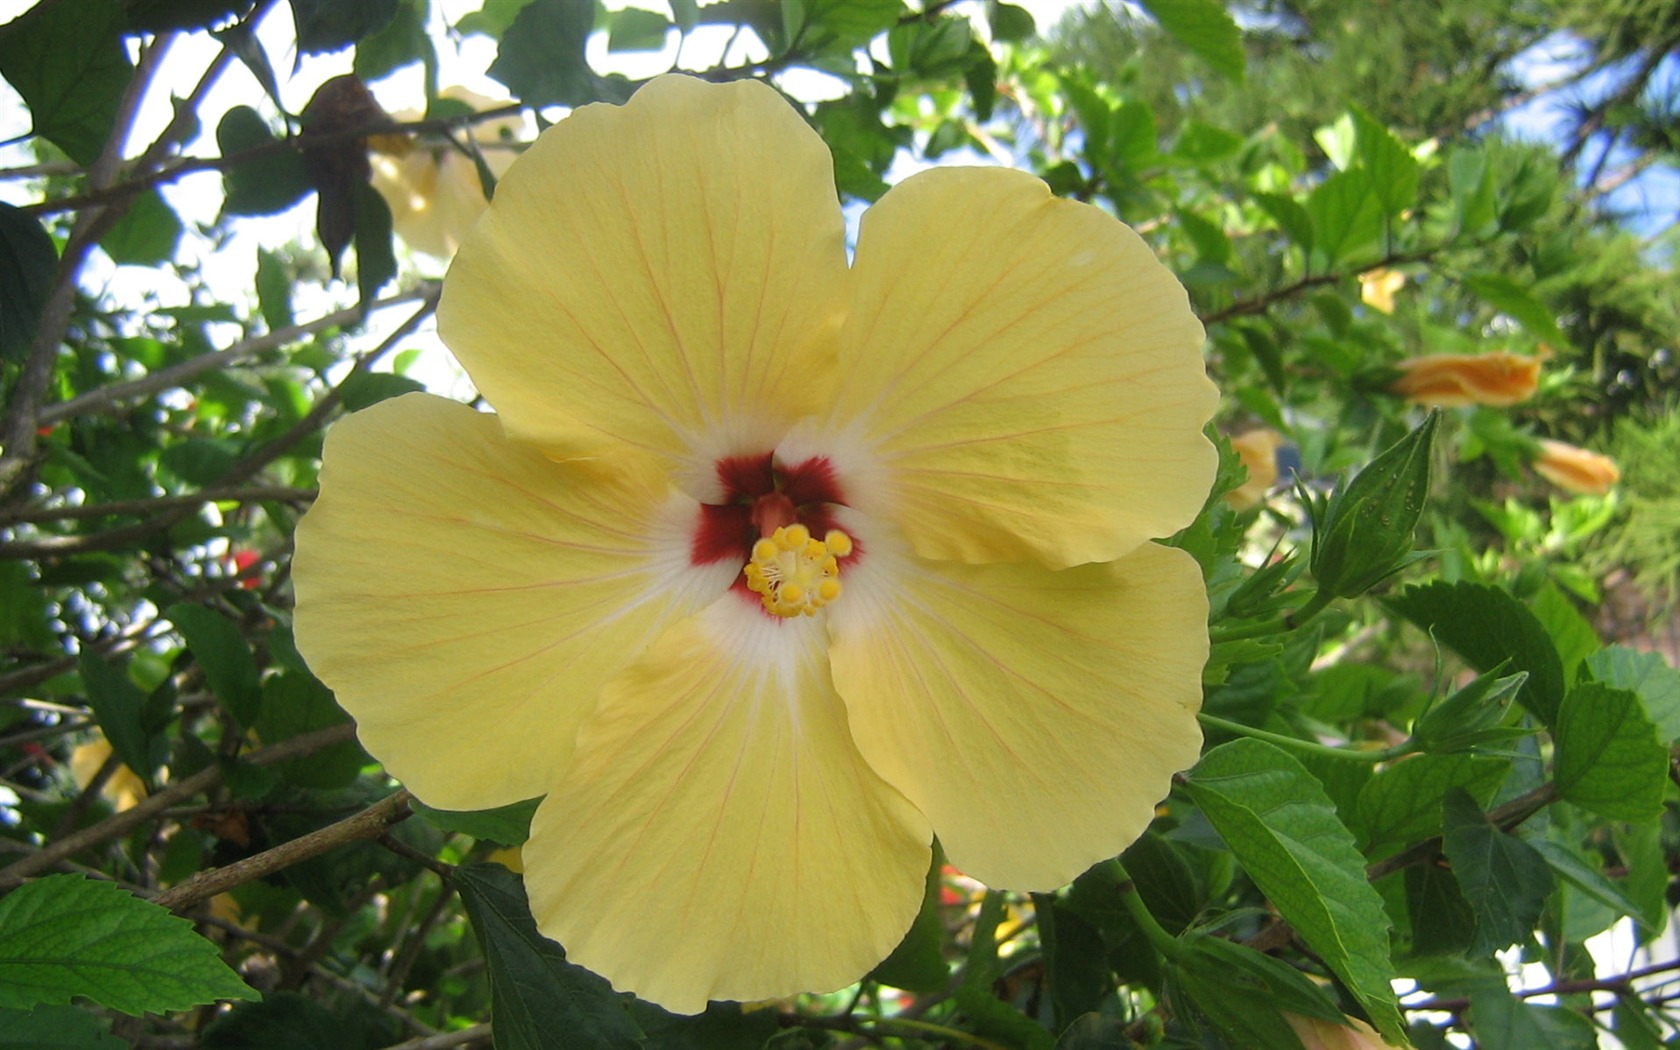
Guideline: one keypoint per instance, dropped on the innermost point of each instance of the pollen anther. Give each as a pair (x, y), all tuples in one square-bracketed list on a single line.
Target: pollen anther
[(794, 573)]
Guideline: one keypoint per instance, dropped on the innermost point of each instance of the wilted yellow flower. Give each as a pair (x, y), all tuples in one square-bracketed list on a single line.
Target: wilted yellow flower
[(1575, 469), (432, 188), (770, 568), (123, 789), (1258, 451), (1454, 380), (1319, 1034), (1377, 288)]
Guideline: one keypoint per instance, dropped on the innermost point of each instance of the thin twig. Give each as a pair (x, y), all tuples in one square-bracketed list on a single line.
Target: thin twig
[(478, 1033), (152, 504), (367, 824), (206, 778)]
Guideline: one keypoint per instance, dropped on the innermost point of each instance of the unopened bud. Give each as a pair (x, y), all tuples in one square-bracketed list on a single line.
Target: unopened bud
[(1365, 533)]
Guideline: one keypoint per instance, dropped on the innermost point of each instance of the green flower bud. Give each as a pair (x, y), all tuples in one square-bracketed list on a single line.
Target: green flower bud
[(1364, 535), (1473, 716)]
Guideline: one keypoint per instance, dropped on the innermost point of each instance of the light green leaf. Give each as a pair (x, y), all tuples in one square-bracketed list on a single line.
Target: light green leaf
[(1393, 169), (1575, 870), (1206, 29), (637, 29), (1504, 879), (1510, 298), (1571, 633), (1285, 833), (65, 936), (1402, 804), (1647, 674), (1608, 759), (146, 235), (1346, 215)]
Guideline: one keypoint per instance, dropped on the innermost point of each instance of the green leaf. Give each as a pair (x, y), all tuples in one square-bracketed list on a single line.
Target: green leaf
[(1575, 870), (723, 1026), (328, 25), (222, 653), (24, 618), (402, 42), (200, 461), (1393, 169), (918, 963), (65, 936), (56, 1028), (1510, 298), (1076, 969), (1346, 214), (535, 993), (541, 57), (161, 16), (1503, 1020), (369, 388), (1284, 831), (637, 29), (68, 61), (1505, 880), (1574, 637), (1648, 675), (994, 1019), (1093, 1031), (265, 186), (146, 235), (119, 708), (1487, 627), (508, 825), (1470, 180), (1290, 216), (1402, 804), (1607, 756), (376, 259), (28, 265), (1010, 24), (281, 1021), (1205, 29), (274, 290), (295, 703)]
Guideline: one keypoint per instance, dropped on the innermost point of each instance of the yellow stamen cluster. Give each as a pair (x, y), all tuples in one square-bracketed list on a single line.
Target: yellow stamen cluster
[(795, 572)]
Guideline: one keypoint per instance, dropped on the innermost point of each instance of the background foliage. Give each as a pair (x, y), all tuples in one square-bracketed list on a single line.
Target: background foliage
[(1424, 771)]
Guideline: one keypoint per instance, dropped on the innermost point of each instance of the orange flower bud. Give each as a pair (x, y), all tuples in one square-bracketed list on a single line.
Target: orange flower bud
[(1454, 380), (1258, 451), (1575, 469), (1318, 1034)]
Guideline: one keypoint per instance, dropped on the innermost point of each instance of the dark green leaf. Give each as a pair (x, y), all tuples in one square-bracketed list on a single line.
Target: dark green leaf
[(541, 57), (1075, 958), (146, 235), (200, 461), (1503, 1020), (56, 1028), (64, 936), (222, 653), (1487, 627), (1575, 870), (1285, 833), (369, 388), (997, 1020), (1093, 1031), (119, 708), (28, 264), (930, 48), (1010, 24), (1608, 759), (294, 703), (918, 963), (265, 186), (274, 290), (534, 992), (636, 29), (493, 19), (508, 825), (376, 260), (402, 42), (1402, 804), (1205, 29), (68, 62), (1443, 923), (723, 1026), (1647, 674), (1471, 182), (1504, 879), (328, 25), (23, 609), (162, 16), (281, 1021)]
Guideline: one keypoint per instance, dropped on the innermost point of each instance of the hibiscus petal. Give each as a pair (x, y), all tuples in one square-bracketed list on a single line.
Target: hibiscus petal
[(668, 273), (718, 836), (1036, 717), (1023, 375), (466, 597)]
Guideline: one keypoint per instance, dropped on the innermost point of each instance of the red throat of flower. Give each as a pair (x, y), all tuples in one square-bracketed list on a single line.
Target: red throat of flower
[(777, 522)]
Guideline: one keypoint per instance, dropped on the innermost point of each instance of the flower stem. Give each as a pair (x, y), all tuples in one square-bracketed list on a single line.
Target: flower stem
[(1165, 943), (1279, 625), (1307, 746)]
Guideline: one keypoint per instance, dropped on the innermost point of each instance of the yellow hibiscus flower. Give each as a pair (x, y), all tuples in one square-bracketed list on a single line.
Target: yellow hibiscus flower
[(951, 453), (432, 188)]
